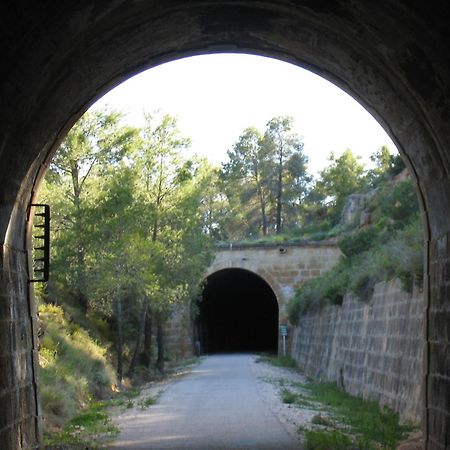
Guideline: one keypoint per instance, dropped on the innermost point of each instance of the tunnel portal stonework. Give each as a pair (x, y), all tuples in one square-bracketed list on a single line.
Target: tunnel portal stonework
[(282, 267), (59, 57)]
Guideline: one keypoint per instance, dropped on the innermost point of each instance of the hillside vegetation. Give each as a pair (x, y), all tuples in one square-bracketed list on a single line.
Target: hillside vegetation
[(390, 246), (74, 368)]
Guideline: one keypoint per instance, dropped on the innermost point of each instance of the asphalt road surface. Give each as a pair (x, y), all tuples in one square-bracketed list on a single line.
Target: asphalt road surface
[(217, 406)]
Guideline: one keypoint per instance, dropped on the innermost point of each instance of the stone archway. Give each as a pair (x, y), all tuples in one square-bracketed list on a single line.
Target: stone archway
[(58, 58), (238, 313)]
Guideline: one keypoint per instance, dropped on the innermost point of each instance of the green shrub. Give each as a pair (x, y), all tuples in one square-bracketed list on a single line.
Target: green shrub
[(91, 429), (363, 417), (395, 205), (318, 419), (73, 368), (288, 396), (58, 403), (327, 440), (279, 361), (359, 241), (371, 257), (321, 291), (148, 401)]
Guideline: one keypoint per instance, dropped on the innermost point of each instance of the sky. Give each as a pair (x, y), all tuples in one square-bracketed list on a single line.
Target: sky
[(215, 97)]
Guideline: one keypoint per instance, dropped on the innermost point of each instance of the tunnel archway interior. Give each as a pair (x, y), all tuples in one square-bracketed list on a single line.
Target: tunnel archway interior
[(238, 312)]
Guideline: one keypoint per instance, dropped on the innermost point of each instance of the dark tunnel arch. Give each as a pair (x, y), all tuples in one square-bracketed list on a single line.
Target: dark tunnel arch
[(238, 312), (392, 57)]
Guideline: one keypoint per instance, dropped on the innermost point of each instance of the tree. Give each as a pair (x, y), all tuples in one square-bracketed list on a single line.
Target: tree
[(387, 165), (97, 140), (168, 192), (267, 176), (297, 189), (118, 268), (281, 144), (220, 219), (247, 170), (138, 223), (344, 176)]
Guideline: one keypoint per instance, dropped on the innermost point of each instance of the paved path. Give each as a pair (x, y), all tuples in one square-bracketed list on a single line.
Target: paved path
[(217, 406)]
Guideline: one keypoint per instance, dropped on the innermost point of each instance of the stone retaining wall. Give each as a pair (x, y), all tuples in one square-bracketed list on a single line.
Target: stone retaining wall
[(373, 350), (179, 334)]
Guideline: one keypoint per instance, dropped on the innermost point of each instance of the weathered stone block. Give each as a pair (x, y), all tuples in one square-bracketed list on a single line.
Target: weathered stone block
[(6, 372), (370, 345)]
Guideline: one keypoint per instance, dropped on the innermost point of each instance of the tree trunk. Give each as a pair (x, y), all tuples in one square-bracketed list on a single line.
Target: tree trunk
[(263, 211), (137, 348), (160, 342), (79, 245), (119, 339), (279, 193), (148, 330)]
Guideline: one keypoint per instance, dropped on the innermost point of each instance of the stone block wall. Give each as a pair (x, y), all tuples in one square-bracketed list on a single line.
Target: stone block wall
[(438, 350), (374, 350), (179, 334), (19, 419)]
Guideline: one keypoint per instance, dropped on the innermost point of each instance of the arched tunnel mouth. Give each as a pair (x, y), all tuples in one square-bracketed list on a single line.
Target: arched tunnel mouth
[(238, 312)]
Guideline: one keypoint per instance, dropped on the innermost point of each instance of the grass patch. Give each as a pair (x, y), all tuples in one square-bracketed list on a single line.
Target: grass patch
[(90, 429), (365, 419), (327, 440), (279, 361), (146, 402), (288, 396), (131, 393), (74, 369), (318, 419)]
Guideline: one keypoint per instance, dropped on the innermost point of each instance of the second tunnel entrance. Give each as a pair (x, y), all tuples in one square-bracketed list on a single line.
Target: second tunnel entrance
[(238, 312)]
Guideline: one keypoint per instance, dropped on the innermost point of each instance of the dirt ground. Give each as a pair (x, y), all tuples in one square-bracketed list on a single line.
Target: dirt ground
[(414, 442)]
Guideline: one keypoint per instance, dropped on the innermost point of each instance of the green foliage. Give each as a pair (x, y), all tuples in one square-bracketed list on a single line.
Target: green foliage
[(318, 419), (266, 177), (327, 440), (395, 206), (390, 248), (129, 225), (344, 176), (146, 402), (387, 165), (318, 292), (91, 429), (74, 368), (278, 360), (288, 396), (359, 241), (364, 418)]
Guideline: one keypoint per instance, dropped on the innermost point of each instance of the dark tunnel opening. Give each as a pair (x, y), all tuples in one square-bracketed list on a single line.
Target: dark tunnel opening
[(238, 313)]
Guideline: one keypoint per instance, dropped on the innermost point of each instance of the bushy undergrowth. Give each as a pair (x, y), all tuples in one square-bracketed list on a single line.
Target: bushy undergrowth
[(392, 247), (90, 429), (73, 368), (373, 427), (327, 440)]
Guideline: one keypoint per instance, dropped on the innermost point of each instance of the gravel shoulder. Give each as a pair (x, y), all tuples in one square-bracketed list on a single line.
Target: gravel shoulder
[(270, 380)]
